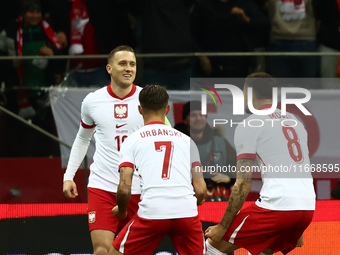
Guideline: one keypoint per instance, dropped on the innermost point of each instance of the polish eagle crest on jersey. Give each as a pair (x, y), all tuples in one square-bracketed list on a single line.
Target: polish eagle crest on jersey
[(121, 111), (92, 217)]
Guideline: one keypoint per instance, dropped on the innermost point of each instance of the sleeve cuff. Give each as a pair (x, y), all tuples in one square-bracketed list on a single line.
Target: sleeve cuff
[(68, 177), (196, 163), (126, 164), (247, 156), (87, 126)]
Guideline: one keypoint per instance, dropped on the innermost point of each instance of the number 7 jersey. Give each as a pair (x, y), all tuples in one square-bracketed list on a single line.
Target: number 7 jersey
[(114, 120), (164, 158)]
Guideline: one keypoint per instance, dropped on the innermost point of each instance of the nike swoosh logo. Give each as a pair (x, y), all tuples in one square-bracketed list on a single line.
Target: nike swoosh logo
[(119, 126)]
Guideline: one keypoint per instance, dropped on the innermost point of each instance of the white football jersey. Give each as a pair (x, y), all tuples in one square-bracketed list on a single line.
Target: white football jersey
[(163, 157), (114, 119), (279, 145)]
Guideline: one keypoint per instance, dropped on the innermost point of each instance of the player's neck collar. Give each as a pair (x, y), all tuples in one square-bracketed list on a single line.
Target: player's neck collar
[(155, 122), (133, 90), (265, 106)]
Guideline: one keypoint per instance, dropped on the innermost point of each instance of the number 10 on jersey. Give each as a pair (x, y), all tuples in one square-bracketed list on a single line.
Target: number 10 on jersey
[(120, 140)]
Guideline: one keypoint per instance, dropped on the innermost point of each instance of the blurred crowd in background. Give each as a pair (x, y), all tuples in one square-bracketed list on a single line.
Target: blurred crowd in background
[(91, 27)]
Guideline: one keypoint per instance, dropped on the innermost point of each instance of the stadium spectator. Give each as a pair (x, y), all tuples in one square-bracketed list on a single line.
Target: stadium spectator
[(111, 115), (85, 72), (112, 24), (164, 27), (172, 185), (8, 12), (31, 35), (72, 18), (227, 26), (277, 220), (292, 30), (214, 150), (327, 16), (7, 74)]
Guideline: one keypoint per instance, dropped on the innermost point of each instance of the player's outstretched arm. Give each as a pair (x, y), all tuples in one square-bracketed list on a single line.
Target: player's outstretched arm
[(237, 197), (123, 192), (199, 185)]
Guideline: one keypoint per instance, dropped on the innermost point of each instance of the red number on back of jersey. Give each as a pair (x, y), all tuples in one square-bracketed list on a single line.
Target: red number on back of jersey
[(168, 147), (293, 144)]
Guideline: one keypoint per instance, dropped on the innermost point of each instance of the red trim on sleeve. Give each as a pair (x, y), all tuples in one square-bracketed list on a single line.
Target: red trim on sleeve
[(246, 155), (196, 163), (133, 90), (87, 126), (126, 164)]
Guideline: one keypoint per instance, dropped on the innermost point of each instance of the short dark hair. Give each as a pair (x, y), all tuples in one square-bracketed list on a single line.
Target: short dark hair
[(189, 107), (153, 97), (30, 6), (119, 48), (262, 83)]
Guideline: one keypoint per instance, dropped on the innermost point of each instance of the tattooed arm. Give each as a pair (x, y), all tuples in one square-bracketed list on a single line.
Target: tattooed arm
[(123, 192), (237, 197)]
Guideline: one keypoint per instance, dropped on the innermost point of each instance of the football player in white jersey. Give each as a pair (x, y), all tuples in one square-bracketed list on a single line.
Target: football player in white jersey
[(173, 185), (110, 114), (277, 220)]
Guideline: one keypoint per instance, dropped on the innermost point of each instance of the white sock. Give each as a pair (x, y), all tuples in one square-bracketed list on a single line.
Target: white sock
[(211, 250)]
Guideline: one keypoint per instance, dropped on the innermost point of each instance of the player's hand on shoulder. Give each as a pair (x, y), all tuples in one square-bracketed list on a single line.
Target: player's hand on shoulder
[(119, 214), (215, 233), (70, 189)]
